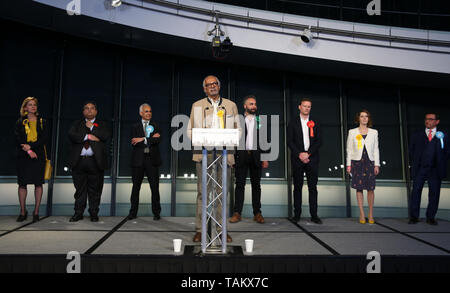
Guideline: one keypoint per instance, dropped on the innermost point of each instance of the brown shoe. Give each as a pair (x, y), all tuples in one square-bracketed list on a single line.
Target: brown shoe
[(197, 237), (235, 218), (229, 239), (258, 218)]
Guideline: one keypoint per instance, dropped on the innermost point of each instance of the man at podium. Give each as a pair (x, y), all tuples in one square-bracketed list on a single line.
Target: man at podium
[(213, 111)]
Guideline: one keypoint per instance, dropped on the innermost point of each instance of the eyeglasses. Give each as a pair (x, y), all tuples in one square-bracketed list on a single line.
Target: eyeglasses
[(211, 84)]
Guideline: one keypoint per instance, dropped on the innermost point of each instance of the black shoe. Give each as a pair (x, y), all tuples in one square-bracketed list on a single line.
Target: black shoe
[(94, 218), (76, 218), (316, 220), (413, 220), (432, 221), (156, 217), (131, 217), (35, 218), (295, 219), (21, 217)]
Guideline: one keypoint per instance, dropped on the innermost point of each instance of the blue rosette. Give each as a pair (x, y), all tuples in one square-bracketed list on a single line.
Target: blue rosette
[(440, 136)]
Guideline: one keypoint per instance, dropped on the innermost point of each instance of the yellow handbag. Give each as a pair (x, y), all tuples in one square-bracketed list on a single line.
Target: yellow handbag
[(48, 167), (48, 163)]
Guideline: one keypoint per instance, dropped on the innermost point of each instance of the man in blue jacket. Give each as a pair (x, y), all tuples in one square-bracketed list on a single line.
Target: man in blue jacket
[(429, 151)]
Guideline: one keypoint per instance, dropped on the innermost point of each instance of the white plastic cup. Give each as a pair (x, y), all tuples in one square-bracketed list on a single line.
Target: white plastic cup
[(177, 245), (249, 245)]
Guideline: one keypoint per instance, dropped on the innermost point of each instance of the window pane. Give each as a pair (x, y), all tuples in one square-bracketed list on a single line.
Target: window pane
[(89, 74), (147, 79), (28, 69), (267, 87), (324, 94), (382, 103), (422, 100)]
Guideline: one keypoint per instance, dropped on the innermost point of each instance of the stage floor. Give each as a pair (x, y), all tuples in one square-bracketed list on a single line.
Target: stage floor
[(276, 237)]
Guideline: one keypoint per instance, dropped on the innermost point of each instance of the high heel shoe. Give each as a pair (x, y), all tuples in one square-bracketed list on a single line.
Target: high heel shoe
[(362, 221), (21, 217), (35, 218), (371, 221)]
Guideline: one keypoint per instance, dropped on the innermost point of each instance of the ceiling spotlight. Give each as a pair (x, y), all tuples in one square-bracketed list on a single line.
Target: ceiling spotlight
[(306, 35), (220, 48), (116, 3)]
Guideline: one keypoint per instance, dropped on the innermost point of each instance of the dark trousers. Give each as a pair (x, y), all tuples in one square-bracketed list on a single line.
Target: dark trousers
[(247, 163), (311, 177), (137, 175), (88, 181), (434, 190)]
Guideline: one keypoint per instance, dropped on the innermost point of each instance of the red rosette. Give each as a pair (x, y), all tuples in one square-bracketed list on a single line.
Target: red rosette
[(95, 124), (311, 125)]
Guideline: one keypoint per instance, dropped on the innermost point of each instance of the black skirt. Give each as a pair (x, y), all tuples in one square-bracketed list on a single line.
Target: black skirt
[(30, 171)]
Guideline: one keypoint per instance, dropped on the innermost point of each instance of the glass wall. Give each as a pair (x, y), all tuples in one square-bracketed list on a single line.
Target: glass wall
[(121, 79)]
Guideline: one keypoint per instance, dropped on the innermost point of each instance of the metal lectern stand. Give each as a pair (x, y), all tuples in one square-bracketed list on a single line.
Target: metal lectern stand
[(214, 191)]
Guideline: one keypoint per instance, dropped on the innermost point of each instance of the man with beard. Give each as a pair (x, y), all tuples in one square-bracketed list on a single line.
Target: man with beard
[(249, 159)]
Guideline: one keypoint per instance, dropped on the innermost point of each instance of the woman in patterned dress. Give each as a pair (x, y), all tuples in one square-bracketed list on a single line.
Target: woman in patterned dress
[(363, 161)]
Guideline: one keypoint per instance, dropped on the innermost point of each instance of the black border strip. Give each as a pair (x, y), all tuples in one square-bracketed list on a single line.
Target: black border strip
[(326, 246), (20, 227), (415, 238), (104, 238)]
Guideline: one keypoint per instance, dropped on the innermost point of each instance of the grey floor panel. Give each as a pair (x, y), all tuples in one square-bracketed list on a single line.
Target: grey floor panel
[(165, 224), (439, 239), (280, 244), (341, 225), (271, 224), (62, 223), (403, 226), (144, 243), (9, 222), (48, 242), (384, 243)]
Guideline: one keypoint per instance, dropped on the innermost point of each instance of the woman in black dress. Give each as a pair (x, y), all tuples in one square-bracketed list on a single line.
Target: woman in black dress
[(363, 161), (31, 136)]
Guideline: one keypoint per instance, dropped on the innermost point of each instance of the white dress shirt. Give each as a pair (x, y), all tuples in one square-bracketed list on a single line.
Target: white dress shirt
[(250, 122), (433, 132), (305, 130), (88, 152)]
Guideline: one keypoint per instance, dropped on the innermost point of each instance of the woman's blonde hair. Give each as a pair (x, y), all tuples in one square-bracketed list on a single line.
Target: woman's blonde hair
[(24, 104)]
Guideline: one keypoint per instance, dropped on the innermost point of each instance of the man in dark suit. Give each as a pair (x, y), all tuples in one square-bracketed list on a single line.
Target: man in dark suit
[(145, 159), (88, 160), (304, 140), (249, 159), (429, 151)]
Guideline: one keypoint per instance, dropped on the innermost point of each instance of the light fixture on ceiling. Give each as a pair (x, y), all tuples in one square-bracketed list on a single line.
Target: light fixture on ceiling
[(306, 35), (220, 48), (116, 3)]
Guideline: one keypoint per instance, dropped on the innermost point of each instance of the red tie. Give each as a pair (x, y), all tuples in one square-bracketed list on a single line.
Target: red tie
[(430, 135)]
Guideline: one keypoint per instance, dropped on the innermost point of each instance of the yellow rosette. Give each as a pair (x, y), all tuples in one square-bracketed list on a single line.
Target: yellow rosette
[(359, 139), (220, 114), (27, 126)]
